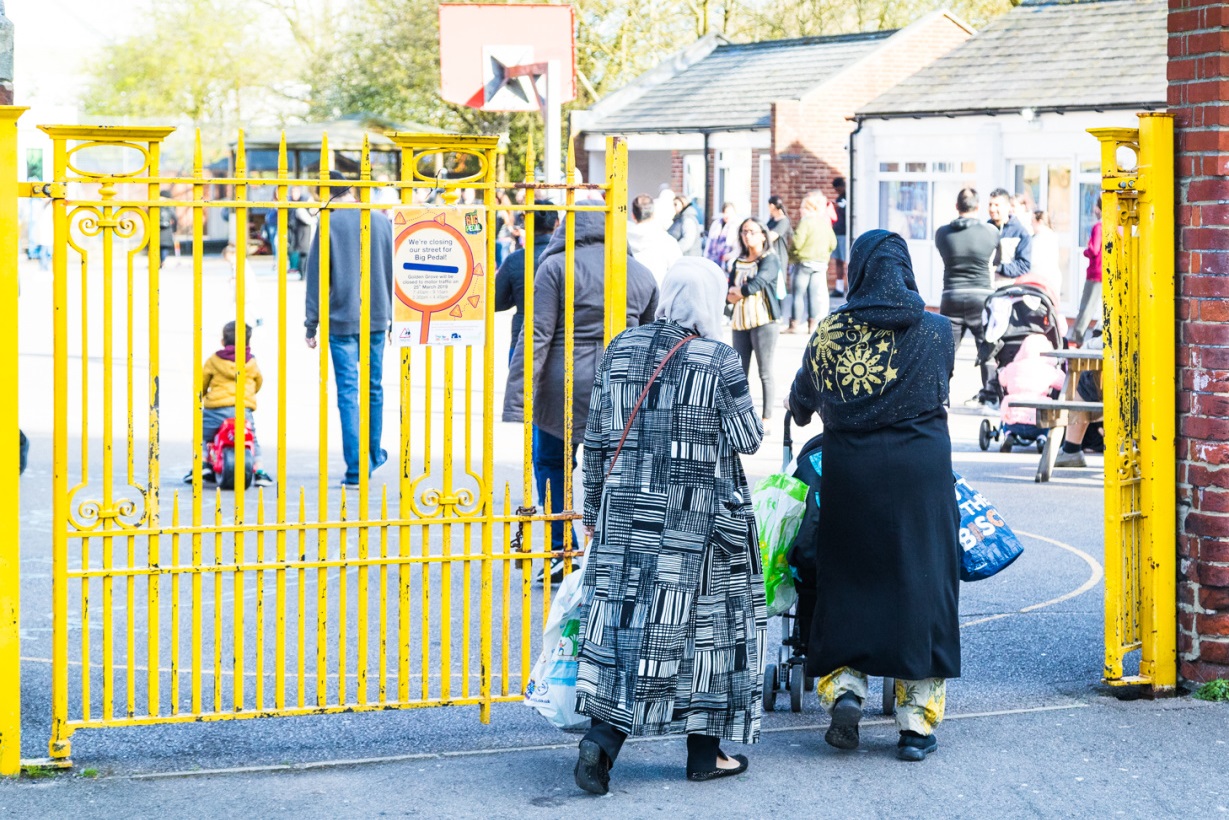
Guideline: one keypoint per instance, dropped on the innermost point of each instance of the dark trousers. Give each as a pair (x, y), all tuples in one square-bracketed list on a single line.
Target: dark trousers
[(763, 342), (964, 309), (701, 749), (549, 463)]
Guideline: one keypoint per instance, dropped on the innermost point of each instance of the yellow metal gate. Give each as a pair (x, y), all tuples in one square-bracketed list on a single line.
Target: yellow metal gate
[(1139, 395), (184, 603)]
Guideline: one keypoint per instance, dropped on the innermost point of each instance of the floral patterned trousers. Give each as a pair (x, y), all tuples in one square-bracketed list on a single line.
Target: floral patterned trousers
[(919, 703)]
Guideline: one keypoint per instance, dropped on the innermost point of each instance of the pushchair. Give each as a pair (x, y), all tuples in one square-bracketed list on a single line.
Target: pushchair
[(789, 670), (1010, 315)]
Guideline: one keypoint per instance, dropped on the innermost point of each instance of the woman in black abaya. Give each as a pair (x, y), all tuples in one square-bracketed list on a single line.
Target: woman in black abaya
[(888, 554)]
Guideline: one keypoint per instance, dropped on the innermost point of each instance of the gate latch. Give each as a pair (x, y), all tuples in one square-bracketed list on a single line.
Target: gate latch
[(41, 190)]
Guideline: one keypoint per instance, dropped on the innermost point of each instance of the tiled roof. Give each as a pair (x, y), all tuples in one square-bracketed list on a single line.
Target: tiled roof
[(734, 86), (1045, 54)]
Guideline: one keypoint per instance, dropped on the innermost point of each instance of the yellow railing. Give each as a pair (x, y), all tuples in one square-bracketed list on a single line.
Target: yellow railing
[(1139, 396), (413, 589)]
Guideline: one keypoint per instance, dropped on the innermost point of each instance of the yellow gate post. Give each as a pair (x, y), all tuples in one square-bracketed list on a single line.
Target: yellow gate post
[(1158, 409), (10, 541), (1139, 389)]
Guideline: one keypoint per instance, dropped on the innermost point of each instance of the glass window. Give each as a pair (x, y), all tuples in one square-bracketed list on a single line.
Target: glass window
[(968, 167), (260, 159), (945, 193), (915, 167), (1028, 181), (1090, 168), (384, 166), (944, 167), (1058, 198), (904, 207), (1090, 193), (889, 167)]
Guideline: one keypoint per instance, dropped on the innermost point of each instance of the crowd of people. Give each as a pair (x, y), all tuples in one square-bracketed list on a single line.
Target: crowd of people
[(673, 622)]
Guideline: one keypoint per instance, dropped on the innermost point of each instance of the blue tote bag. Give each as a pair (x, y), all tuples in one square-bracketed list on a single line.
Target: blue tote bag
[(987, 544)]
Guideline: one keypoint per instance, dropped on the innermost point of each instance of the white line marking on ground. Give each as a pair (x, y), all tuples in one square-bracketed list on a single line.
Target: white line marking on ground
[(548, 747), (1096, 573)]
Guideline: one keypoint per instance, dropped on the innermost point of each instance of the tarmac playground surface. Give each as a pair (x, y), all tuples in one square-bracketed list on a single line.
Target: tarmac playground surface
[(1030, 731)]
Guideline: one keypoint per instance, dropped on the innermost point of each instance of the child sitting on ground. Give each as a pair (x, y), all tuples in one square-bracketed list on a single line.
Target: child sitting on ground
[(218, 388)]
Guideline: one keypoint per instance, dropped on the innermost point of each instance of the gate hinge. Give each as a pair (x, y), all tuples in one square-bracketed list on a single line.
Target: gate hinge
[(41, 190)]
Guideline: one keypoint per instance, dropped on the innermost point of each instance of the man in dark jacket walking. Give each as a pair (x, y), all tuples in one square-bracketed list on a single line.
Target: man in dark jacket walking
[(344, 321), (968, 247), (510, 278), (588, 334)]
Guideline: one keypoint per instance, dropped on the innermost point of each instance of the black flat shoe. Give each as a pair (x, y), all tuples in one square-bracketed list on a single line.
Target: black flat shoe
[(593, 768), (914, 747), (843, 733), (714, 774)]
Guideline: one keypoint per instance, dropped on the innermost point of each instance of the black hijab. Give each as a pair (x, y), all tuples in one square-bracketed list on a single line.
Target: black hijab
[(882, 290), (880, 358)]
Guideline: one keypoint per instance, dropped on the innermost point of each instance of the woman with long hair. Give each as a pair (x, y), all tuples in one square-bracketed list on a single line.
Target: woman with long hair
[(756, 281)]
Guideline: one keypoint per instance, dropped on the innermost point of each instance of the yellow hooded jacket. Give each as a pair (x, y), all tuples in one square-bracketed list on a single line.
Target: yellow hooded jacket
[(218, 380)]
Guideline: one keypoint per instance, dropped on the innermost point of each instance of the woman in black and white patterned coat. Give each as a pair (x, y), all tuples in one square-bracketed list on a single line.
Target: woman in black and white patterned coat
[(673, 625)]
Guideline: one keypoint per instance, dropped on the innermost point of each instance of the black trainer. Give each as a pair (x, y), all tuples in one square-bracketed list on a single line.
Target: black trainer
[(843, 733), (914, 747), (593, 768)]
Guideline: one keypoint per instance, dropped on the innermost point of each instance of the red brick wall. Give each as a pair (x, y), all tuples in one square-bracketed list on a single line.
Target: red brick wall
[(1199, 98), (676, 172), (810, 137)]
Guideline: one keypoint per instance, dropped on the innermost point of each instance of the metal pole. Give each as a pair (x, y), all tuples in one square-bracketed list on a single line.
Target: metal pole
[(1158, 413), (554, 131), (10, 470)]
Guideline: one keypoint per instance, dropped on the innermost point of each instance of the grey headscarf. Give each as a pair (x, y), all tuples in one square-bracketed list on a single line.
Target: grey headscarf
[(693, 295)]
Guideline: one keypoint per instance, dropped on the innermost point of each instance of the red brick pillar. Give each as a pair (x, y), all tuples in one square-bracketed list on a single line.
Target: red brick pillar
[(1199, 99)]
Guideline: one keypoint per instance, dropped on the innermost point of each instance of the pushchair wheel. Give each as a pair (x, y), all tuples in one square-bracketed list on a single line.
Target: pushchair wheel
[(983, 435), (797, 685), (889, 696), (770, 687)]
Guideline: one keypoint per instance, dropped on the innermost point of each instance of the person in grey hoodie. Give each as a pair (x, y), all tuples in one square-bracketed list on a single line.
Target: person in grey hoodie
[(547, 336), (344, 326), (968, 246)]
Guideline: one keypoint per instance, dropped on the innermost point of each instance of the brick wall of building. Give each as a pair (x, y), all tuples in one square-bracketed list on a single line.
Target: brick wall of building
[(810, 137), (1199, 99), (676, 171)]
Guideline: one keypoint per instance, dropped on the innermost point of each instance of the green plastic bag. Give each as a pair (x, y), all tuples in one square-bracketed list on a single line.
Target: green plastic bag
[(779, 502)]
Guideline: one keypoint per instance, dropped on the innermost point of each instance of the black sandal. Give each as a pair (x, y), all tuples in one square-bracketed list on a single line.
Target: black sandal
[(716, 771)]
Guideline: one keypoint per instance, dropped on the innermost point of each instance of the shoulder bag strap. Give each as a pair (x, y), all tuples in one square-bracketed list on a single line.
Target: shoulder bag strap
[(643, 394)]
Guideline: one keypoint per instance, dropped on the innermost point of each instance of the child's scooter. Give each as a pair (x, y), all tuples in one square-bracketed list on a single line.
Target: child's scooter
[(222, 455)]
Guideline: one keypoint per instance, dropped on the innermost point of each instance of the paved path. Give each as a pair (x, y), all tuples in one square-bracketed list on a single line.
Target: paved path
[(1031, 730)]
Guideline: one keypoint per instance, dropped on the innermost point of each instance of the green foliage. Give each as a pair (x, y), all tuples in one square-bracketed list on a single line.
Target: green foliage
[(1215, 690), (38, 772), (199, 60), (90, 773), (217, 62)]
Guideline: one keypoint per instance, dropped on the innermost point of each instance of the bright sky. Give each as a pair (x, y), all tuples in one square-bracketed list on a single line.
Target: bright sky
[(54, 40)]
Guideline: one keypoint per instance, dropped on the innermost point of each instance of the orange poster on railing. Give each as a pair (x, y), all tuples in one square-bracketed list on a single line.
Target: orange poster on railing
[(439, 276)]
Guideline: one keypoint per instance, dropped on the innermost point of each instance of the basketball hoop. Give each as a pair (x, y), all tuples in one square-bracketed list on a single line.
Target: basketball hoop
[(504, 57)]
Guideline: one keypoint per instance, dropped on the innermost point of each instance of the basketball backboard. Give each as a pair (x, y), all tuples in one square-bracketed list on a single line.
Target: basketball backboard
[(482, 46)]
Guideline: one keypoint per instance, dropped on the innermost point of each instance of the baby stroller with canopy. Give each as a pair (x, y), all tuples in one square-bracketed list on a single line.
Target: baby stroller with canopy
[(1012, 314), (789, 670)]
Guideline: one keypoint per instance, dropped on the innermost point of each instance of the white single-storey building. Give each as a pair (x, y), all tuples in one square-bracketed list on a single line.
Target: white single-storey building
[(1009, 108)]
